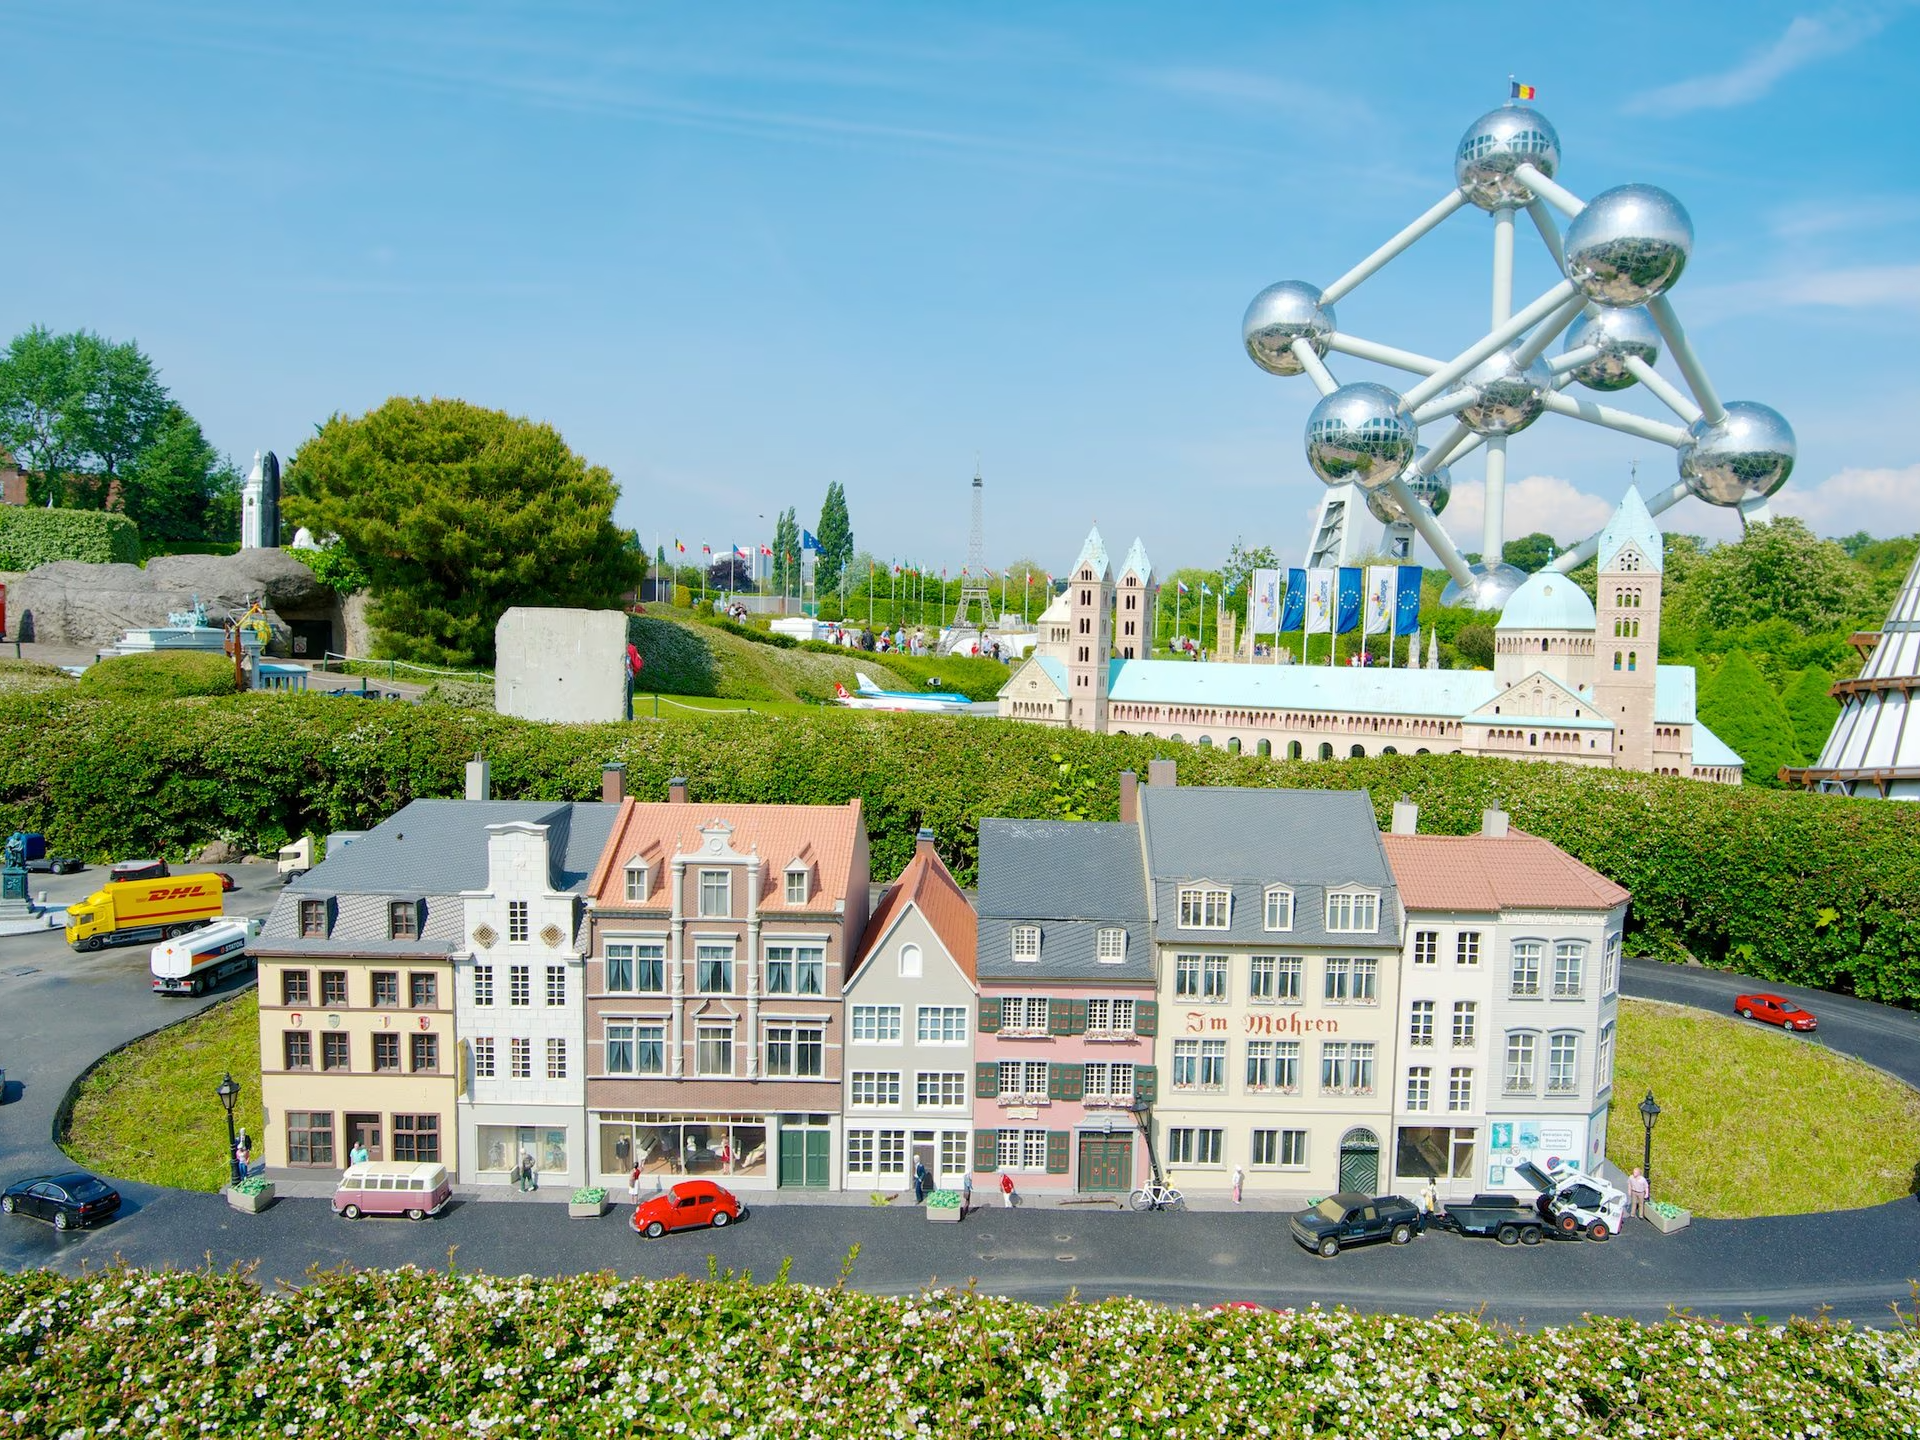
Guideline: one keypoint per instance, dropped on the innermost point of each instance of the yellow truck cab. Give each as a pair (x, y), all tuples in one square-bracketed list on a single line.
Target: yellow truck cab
[(128, 912)]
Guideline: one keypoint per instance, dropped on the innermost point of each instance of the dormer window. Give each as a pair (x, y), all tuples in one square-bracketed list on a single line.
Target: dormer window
[(403, 920), (1026, 942), (799, 884), (1110, 946), (637, 879), (1353, 912), (1205, 907), (1279, 908)]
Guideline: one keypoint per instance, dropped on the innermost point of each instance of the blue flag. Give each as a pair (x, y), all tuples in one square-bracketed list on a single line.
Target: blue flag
[(809, 541), (1406, 601), (1293, 609), (1346, 614)]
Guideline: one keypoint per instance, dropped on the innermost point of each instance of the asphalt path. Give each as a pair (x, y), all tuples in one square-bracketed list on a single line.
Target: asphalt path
[(1854, 1264)]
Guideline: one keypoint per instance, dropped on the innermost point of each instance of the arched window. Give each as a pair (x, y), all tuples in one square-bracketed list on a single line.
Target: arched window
[(1205, 742), (1293, 750), (1233, 744), (1326, 751), (1174, 736), (1534, 738), (1266, 747), (1358, 752), (1543, 642), (1423, 751), (1388, 750), (1616, 659), (1633, 660)]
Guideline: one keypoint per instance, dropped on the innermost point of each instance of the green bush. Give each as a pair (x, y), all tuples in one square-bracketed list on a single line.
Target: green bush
[(1811, 889), (377, 1353), (1812, 710), (173, 674), (1738, 705), (682, 597), (30, 537)]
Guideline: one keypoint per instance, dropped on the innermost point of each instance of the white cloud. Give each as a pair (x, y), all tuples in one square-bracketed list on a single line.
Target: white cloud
[(1853, 287), (1807, 40), (1544, 503), (1885, 501)]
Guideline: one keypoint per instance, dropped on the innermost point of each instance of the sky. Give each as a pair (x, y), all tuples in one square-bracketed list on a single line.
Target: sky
[(735, 252)]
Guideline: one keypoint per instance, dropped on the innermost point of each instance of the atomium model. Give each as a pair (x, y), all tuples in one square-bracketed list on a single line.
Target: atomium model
[(1621, 254)]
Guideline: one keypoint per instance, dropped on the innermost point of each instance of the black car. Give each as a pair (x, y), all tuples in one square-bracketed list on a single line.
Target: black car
[(1351, 1219), (67, 1200)]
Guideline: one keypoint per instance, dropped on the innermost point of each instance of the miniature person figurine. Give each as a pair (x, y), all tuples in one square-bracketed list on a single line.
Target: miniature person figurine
[(358, 1154), (529, 1177), (726, 1154), (1239, 1178), (633, 1186), (1006, 1189), (966, 1193), (1429, 1196), (1637, 1192)]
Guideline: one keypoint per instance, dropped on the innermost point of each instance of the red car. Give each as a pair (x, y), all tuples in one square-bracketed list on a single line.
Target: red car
[(683, 1206), (1775, 1010)]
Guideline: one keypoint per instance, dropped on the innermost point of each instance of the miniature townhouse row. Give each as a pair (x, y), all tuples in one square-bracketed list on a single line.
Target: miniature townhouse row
[(1247, 978)]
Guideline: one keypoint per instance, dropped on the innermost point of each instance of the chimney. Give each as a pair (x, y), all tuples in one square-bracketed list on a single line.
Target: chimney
[(479, 779), (923, 845), (613, 783), (1129, 798), (1161, 772), (1493, 823), (677, 790), (1406, 817)]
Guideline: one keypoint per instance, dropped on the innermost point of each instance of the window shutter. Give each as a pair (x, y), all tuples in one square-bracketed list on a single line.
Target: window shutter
[(1077, 1021), (1146, 1084), (1057, 1081), (1146, 1017), (986, 1149), (989, 1014), (986, 1080), (1056, 1152), (1059, 1017), (1073, 1082)]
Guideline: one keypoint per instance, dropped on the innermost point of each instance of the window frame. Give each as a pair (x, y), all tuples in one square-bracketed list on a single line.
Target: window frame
[(403, 920), (639, 878), (714, 894), (1204, 907), (1110, 945), (1526, 963), (1024, 942), (1348, 905), (1273, 899)]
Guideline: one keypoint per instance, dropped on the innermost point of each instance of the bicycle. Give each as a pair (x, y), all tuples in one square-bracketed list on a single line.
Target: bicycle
[(1156, 1195)]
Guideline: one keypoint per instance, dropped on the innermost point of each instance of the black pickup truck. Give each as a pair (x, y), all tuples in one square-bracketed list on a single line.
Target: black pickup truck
[(1507, 1218), (1352, 1219)]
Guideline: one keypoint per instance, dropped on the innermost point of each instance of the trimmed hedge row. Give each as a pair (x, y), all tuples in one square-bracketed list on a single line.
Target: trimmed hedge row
[(30, 536), (408, 1352), (1816, 890), (163, 675)]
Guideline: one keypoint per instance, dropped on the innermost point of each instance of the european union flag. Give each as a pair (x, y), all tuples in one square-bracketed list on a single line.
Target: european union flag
[(1406, 601), (809, 541), (1293, 609), (1346, 614)]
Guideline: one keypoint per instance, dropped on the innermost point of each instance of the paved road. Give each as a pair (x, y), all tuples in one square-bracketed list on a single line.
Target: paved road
[(1857, 1262)]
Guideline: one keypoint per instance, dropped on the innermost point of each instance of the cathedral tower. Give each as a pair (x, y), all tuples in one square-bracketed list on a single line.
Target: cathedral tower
[(1133, 605), (1626, 638), (1090, 643)]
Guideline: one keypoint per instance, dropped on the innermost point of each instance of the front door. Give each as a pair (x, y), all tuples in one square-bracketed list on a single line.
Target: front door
[(1106, 1162), (923, 1154), (806, 1145), (365, 1130), (819, 1148), (1360, 1162)]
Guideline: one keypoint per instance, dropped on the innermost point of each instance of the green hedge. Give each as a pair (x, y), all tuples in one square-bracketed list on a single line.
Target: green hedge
[(408, 1352), (30, 537), (170, 675), (1814, 889)]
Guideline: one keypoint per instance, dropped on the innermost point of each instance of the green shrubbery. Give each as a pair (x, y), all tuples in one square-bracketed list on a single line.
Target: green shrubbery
[(31, 536), (406, 1352), (163, 675), (1813, 889)]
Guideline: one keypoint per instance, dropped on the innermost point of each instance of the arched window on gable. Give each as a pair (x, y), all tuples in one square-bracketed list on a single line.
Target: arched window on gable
[(1633, 660)]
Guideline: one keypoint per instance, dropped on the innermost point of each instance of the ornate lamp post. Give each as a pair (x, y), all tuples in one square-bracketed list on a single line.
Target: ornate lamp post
[(229, 1092), (1649, 1112)]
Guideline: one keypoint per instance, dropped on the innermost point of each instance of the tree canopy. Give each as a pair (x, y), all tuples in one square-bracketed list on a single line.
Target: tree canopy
[(1780, 571), (456, 513), (1740, 707), (1529, 552), (835, 534), (179, 487), (1812, 710)]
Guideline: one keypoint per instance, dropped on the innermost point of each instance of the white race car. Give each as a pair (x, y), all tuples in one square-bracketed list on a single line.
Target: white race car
[(1573, 1202)]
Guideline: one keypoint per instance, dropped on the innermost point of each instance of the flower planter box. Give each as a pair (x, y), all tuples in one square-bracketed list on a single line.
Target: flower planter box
[(253, 1202), (1668, 1223), (586, 1209)]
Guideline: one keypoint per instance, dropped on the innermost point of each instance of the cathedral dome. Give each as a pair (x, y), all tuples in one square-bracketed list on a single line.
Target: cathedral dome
[(1548, 601)]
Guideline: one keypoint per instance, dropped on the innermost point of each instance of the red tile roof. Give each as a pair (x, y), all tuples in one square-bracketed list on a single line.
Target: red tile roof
[(927, 883), (823, 838), (1480, 873)]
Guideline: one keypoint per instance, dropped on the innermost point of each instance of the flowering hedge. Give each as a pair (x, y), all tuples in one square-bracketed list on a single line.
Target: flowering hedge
[(387, 1353)]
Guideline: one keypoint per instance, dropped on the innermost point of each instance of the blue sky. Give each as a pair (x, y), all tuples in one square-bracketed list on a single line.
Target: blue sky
[(735, 252)]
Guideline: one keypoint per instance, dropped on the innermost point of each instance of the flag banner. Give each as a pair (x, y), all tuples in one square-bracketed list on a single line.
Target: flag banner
[(678, 547), (809, 541), (1320, 602), (766, 550), (1347, 618), (1406, 601), (1522, 92), (1205, 589), (1293, 610), (1263, 603), (1181, 587), (743, 552), (1379, 604)]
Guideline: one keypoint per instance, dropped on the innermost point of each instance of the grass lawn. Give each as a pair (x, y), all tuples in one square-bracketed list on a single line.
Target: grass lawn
[(671, 707), (1754, 1121), (150, 1113)]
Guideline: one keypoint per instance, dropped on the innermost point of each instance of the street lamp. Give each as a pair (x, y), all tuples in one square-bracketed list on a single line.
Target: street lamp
[(229, 1092), (1649, 1112)]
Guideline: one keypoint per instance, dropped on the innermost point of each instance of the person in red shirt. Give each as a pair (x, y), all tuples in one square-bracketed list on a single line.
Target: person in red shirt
[(1006, 1189)]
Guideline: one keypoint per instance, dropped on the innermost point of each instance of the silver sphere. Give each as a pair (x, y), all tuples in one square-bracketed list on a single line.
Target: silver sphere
[(1494, 144), (1629, 245), (1617, 332), (1748, 455), (1278, 316), (1436, 489), (1493, 586), (1511, 398), (1359, 435)]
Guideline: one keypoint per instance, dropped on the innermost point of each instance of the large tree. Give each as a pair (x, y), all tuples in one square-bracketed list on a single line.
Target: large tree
[(1530, 552), (835, 534), (1811, 709), (1776, 571), (180, 488), (1740, 707), (75, 410), (785, 568), (457, 513)]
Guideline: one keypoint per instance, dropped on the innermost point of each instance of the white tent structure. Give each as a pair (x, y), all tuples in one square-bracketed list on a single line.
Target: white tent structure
[(1874, 749)]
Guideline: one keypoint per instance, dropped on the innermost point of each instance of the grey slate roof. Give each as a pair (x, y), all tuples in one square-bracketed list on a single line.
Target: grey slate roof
[(431, 850), (1250, 838), (1072, 878)]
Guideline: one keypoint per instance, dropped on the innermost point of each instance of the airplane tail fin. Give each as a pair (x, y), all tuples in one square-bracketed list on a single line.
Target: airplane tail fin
[(866, 683), (840, 691)]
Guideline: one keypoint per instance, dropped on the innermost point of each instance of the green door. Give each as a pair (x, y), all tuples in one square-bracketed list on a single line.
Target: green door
[(1106, 1163), (805, 1152), (817, 1152), (793, 1160)]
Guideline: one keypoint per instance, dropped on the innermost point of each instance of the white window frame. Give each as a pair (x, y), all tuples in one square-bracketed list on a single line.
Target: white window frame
[(1527, 961), (1610, 965), (947, 1019), (1426, 948), (1469, 1012), (912, 962), (878, 1020), (702, 1034), (1205, 907), (1466, 949), (717, 903), (1569, 969), (1289, 1150), (1603, 1058), (1276, 908), (1353, 910), (1420, 1017), (940, 1083), (1026, 942), (874, 1089), (1521, 1076), (638, 877), (1110, 945), (1563, 1075), (810, 954), (800, 878), (1289, 979), (1460, 1090), (1419, 1096)]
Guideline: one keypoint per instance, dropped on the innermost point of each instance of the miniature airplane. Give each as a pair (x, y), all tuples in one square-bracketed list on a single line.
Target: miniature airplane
[(871, 697)]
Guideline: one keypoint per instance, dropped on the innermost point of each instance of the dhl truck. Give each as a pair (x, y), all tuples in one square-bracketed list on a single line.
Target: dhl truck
[(128, 912)]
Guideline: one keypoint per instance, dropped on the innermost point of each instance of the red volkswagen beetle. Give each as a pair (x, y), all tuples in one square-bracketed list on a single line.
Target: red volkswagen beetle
[(683, 1206), (1775, 1010)]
